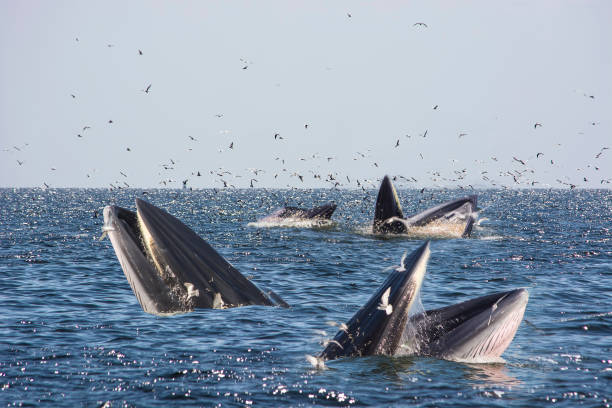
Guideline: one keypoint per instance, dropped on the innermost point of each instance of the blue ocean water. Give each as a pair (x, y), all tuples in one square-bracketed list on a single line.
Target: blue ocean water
[(73, 334)]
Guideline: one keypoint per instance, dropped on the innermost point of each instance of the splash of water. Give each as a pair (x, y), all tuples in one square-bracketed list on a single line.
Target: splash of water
[(291, 223)]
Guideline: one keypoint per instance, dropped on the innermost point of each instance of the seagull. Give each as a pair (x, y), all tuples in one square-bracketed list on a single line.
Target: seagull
[(19, 162), (397, 143), (462, 134), (147, 89), (425, 134), (519, 160), (349, 15), (325, 343), (384, 302), (139, 52), (539, 154), (86, 127), (536, 125), (435, 107), (73, 96), (110, 121), (219, 115), (193, 138), (231, 146), (341, 326), (420, 24), (306, 126)]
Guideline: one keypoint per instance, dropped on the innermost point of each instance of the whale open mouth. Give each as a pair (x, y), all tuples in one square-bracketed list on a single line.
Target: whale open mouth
[(389, 218), (477, 330), (170, 268)]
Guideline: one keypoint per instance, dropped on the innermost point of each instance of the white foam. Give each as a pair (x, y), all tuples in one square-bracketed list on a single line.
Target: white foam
[(291, 223)]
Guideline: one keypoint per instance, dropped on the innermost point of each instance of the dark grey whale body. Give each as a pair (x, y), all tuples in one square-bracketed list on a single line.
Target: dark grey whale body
[(323, 212), (170, 268), (389, 217), (475, 330)]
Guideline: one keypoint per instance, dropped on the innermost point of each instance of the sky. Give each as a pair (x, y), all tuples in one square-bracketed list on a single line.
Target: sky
[(305, 94)]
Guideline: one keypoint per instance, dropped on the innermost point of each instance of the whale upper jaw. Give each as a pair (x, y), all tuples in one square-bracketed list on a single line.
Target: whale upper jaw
[(170, 268), (376, 329), (387, 206), (478, 330)]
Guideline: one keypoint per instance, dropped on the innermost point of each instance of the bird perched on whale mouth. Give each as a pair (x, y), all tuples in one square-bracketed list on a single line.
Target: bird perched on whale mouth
[(477, 330), (389, 217), (173, 270)]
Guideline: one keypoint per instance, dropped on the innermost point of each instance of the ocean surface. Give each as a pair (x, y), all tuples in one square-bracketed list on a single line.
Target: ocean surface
[(73, 334)]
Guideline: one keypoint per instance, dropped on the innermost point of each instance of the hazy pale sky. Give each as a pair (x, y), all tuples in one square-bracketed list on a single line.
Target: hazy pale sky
[(360, 74)]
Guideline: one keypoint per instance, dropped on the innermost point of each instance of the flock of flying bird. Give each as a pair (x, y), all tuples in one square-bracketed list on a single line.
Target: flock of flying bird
[(520, 174)]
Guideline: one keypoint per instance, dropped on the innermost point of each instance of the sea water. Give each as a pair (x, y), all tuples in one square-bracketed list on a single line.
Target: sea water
[(73, 334)]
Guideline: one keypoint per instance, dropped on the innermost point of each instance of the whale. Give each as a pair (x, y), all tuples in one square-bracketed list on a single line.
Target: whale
[(322, 212), (389, 217), (171, 269), (476, 330)]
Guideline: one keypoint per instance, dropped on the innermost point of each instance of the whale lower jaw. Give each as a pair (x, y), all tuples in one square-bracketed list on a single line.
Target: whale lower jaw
[(477, 331)]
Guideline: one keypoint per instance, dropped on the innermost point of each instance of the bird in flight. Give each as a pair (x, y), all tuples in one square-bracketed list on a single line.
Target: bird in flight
[(539, 154), (519, 160), (147, 89), (397, 143), (420, 24), (231, 146), (139, 52), (536, 125)]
